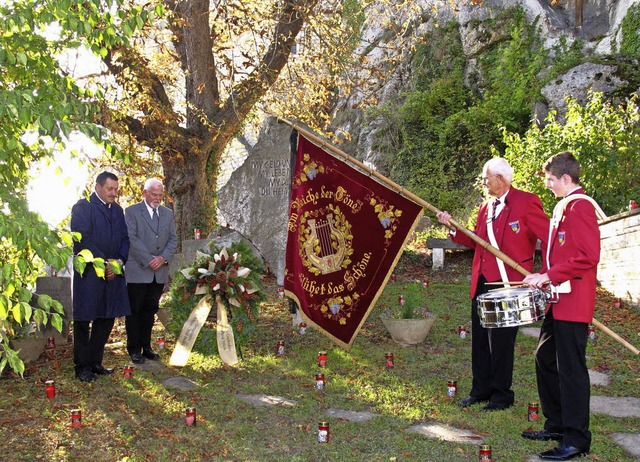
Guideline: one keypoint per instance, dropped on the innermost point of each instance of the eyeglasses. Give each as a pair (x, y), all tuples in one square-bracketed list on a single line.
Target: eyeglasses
[(485, 179)]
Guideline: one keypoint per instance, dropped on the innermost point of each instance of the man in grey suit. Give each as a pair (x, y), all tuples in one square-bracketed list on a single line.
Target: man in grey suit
[(153, 240)]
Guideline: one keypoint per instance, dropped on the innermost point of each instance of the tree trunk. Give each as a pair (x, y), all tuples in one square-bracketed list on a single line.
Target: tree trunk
[(192, 192), (191, 143)]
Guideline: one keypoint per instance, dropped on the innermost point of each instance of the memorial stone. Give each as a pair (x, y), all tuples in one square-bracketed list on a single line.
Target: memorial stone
[(59, 288), (255, 200)]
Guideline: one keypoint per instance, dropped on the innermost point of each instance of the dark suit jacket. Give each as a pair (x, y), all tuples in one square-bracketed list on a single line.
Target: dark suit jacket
[(104, 233), (517, 230), (574, 253), (147, 241)]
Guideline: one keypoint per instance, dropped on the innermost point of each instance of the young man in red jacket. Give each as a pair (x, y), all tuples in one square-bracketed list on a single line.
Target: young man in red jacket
[(561, 369), (512, 221)]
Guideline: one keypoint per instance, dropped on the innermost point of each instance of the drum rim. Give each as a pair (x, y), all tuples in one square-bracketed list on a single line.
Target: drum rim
[(516, 290)]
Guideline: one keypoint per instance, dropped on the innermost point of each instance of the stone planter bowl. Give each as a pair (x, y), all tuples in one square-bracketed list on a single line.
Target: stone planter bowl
[(408, 331)]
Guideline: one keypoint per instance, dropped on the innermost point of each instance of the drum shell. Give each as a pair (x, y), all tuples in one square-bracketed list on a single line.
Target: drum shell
[(511, 307)]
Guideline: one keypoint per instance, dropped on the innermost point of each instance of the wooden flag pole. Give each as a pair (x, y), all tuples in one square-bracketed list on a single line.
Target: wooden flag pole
[(418, 200)]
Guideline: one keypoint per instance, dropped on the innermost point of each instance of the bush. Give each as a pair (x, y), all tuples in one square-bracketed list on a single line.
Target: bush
[(606, 141)]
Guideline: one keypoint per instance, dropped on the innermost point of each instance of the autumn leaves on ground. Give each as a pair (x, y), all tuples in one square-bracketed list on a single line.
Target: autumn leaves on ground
[(141, 419)]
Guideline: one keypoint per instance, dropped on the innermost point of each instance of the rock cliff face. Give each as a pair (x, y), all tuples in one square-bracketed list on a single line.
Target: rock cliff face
[(594, 22)]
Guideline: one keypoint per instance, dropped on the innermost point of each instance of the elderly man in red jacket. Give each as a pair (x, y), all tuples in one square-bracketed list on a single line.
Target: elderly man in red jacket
[(512, 221), (561, 368)]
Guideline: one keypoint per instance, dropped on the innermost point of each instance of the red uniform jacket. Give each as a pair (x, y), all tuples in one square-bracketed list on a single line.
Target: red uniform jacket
[(574, 253), (517, 230)]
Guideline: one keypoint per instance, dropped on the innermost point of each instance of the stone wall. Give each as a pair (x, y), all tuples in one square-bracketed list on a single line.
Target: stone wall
[(619, 271)]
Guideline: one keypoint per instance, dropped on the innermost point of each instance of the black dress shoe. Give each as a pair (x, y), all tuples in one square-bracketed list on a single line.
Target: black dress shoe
[(150, 354), (137, 358), (563, 452), (542, 435), (85, 375), (101, 370), (469, 400), (496, 407)]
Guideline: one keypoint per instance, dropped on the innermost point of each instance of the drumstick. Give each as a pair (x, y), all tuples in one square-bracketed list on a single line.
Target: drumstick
[(502, 289), (511, 283)]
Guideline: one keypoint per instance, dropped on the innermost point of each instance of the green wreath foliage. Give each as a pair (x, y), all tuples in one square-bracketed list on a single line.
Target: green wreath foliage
[(211, 270)]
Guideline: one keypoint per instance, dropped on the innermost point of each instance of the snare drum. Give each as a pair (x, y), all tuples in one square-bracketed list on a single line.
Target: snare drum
[(511, 307)]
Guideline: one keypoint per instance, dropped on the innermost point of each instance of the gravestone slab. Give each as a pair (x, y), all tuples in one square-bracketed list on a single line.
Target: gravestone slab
[(255, 200), (629, 441), (598, 378), (615, 407), (59, 288), (267, 400), (446, 433), (181, 383), (224, 237), (438, 259), (149, 365), (531, 331), (29, 349), (351, 416)]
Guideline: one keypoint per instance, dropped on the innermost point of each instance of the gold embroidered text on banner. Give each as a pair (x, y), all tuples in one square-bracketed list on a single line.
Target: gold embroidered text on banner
[(346, 232)]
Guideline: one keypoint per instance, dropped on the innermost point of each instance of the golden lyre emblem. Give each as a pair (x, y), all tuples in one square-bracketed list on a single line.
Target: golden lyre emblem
[(325, 246)]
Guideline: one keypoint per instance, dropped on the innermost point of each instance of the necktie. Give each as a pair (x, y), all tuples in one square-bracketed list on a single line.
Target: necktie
[(155, 215), (495, 207)]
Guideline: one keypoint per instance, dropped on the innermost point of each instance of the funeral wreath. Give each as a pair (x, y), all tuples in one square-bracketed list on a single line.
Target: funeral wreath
[(230, 274)]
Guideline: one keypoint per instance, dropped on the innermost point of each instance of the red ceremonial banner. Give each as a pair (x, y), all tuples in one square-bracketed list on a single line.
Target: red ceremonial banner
[(346, 232)]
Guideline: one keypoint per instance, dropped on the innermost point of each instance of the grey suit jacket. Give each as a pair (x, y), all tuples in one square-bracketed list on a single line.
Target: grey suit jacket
[(146, 242)]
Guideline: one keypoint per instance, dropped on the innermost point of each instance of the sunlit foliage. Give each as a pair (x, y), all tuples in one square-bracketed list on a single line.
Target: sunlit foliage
[(606, 140)]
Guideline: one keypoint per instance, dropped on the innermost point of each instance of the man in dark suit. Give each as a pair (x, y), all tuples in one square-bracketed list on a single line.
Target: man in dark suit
[(512, 221), (153, 242), (561, 367), (97, 301)]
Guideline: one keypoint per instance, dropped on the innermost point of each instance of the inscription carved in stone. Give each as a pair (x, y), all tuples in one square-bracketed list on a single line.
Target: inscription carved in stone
[(272, 176)]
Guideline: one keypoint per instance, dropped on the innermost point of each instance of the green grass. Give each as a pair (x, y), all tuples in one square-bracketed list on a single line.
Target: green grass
[(141, 420)]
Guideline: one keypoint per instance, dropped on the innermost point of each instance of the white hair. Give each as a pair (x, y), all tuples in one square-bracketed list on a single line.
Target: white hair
[(151, 182), (499, 166)]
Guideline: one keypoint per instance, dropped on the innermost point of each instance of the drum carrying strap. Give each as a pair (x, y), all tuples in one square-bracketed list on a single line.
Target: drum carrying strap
[(558, 211), (501, 267)]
